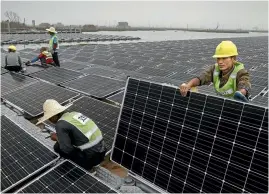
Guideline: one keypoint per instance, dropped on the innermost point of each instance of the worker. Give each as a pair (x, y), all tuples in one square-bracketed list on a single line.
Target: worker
[(78, 137), (13, 60), (229, 77), (54, 45), (45, 58)]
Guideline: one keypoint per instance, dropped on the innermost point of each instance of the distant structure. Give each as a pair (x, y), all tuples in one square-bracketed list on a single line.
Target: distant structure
[(123, 25), (58, 25), (33, 23), (44, 25), (89, 27)]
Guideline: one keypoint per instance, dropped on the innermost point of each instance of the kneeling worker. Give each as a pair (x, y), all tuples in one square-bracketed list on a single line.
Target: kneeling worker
[(229, 77), (78, 137), (13, 60), (45, 58)]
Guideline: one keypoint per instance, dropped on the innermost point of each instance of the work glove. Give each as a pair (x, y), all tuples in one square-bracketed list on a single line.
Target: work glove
[(240, 97), (28, 63), (23, 69)]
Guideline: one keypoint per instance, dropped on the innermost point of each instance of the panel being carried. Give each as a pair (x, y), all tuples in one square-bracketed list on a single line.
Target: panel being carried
[(95, 85), (66, 177), (31, 98), (22, 155), (192, 144)]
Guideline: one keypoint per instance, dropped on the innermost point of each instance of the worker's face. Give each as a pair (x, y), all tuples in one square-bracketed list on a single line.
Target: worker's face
[(54, 119), (225, 63)]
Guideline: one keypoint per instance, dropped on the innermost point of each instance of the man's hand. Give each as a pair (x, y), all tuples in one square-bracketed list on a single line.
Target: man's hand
[(184, 88), (53, 136)]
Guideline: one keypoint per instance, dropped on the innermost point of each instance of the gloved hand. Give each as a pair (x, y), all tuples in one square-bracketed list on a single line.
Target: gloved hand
[(184, 88), (240, 97), (23, 69), (28, 63)]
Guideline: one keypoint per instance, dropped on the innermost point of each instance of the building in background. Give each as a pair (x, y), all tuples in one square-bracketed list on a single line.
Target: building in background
[(123, 25), (33, 23)]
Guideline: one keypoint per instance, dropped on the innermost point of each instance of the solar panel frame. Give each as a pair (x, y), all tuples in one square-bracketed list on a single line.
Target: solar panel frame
[(24, 95), (226, 186), (37, 170), (68, 184)]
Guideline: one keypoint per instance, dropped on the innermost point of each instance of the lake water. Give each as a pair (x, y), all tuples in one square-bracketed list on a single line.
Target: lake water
[(149, 36)]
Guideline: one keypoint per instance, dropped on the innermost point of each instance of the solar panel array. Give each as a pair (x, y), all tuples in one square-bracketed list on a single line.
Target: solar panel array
[(67, 177), (12, 81), (63, 37), (104, 115), (21, 155), (192, 144), (176, 60), (95, 85), (57, 75), (118, 98), (31, 98)]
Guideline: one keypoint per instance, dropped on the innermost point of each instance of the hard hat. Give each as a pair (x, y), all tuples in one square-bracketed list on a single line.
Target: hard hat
[(225, 49), (51, 108), (12, 47), (51, 29)]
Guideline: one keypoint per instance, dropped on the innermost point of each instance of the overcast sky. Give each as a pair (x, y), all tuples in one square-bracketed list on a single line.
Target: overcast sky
[(229, 14)]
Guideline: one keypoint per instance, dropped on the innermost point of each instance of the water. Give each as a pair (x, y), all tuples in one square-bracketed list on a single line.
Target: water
[(150, 36)]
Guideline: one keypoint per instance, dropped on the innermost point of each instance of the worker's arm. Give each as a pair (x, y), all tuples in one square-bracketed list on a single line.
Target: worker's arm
[(243, 82), (62, 129), (206, 77), (37, 58)]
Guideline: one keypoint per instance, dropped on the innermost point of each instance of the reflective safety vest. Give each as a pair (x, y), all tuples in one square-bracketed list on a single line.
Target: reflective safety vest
[(47, 54), (230, 87), (51, 42), (86, 126)]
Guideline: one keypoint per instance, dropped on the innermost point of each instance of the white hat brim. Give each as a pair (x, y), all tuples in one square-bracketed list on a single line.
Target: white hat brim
[(52, 113), (51, 31)]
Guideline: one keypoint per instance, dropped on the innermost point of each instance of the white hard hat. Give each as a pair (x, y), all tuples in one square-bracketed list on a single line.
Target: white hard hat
[(51, 29), (51, 108)]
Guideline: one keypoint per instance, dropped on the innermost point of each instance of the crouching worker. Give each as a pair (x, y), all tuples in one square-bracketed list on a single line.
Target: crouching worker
[(45, 58), (13, 60), (78, 137)]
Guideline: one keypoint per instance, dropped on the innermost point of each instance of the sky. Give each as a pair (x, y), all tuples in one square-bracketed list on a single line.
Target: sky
[(196, 14)]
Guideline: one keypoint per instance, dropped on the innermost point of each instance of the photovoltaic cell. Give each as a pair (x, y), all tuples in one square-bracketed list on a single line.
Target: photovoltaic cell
[(31, 98), (57, 75), (117, 97), (95, 85), (67, 177), (21, 155), (192, 144), (14, 81)]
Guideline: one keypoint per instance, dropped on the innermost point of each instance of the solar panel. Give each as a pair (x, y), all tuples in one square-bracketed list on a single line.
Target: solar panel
[(102, 71), (155, 72), (14, 81), (73, 65), (21, 155), (117, 97), (125, 66), (57, 75), (3, 71), (192, 144), (260, 100), (34, 69), (103, 114), (102, 62), (66, 177), (31, 98), (95, 85)]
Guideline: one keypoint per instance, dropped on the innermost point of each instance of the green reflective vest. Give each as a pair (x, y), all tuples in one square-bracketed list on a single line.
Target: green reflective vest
[(86, 126), (51, 42), (230, 87)]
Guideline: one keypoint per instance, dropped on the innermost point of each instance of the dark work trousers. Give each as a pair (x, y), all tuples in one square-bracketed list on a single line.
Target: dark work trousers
[(86, 158), (13, 68), (56, 59)]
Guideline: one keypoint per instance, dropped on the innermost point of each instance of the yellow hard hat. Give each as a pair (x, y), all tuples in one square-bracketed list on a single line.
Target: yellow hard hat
[(226, 49), (12, 47)]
